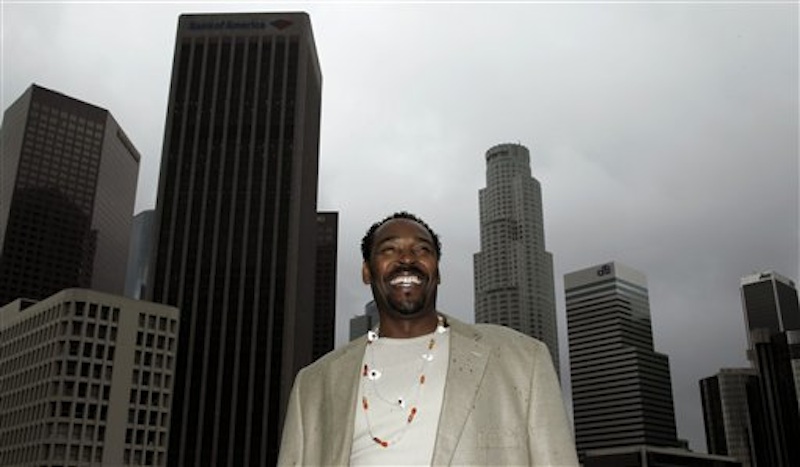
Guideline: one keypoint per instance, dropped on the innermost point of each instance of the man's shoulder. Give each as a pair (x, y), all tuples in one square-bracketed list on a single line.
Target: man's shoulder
[(497, 335)]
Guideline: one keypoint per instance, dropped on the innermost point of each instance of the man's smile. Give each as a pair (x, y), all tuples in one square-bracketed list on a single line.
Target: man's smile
[(407, 278)]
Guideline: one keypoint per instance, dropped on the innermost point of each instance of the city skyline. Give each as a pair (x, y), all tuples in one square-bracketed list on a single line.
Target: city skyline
[(664, 136)]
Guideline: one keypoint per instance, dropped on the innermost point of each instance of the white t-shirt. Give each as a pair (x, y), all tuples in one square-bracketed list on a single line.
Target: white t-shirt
[(404, 379)]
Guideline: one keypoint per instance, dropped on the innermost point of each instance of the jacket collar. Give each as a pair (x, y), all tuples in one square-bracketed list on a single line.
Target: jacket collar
[(468, 358)]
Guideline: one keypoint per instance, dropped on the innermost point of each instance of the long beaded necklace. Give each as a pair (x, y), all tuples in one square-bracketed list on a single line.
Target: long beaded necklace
[(370, 375)]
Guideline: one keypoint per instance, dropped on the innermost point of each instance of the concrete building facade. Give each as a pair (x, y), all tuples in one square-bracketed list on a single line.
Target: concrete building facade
[(513, 271), (86, 379)]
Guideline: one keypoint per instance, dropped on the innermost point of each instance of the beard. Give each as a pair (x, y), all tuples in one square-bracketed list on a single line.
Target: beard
[(406, 307), (401, 303)]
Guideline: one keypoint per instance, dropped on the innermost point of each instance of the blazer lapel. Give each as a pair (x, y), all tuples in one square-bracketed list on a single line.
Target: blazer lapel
[(468, 358), (342, 392)]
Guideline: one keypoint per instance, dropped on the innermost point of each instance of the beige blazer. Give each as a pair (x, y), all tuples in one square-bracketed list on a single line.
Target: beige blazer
[(502, 404)]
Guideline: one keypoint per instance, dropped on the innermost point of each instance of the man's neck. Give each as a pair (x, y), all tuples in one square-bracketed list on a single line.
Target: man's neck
[(405, 328)]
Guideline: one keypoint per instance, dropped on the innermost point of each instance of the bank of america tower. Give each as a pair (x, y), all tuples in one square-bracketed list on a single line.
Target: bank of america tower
[(235, 216), (513, 271)]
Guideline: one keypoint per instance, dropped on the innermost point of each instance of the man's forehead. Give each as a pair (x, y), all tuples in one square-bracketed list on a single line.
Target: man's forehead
[(396, 228)]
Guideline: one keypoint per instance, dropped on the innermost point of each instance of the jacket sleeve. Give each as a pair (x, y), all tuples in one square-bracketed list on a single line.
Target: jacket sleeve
[(549, 434), (291, 451)]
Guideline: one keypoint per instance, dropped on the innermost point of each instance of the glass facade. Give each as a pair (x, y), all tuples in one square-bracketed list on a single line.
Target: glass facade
[(69, 184), (325, 285), (235, 213), (770, 302), (726, 413)]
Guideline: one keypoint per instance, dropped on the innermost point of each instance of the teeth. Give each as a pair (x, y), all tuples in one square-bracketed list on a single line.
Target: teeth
[(406, 280)]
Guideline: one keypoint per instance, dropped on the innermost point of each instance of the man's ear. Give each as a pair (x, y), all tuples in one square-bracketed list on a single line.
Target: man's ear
[(438, 277), (366, 276)]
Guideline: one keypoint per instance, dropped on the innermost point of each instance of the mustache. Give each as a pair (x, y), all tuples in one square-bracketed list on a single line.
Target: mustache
[(407, 269)]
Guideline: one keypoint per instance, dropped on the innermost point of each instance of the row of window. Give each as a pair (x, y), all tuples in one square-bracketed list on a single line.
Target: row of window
[(142, 437), (38, 322), (149, 322), (150, 379), (28, 376), (147, 418), (146, 397), (151, 340), (17, 398), (53, 452), (144, 457), (14, 417)]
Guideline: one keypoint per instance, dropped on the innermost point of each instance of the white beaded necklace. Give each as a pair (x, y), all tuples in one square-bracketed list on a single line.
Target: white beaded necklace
[(370, 375)]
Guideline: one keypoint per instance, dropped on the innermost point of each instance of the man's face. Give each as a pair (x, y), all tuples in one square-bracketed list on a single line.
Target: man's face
[(403, 270)]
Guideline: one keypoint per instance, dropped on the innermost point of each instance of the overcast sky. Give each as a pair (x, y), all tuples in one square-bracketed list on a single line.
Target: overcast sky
[(665, 136)]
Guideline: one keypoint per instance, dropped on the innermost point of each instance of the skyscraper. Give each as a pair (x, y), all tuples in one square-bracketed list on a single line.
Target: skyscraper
[(621, 387), (772, 359), (769, 301), (235, 216), (139, 254), (325, 286), (772, 315), (726, 413), (67, 186), (513, 271)]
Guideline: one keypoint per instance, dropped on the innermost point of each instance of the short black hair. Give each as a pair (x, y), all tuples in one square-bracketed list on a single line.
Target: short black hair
[(369, 238)]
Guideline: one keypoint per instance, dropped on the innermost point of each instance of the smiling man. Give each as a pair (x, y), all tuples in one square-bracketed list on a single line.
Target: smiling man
[(423, 388)]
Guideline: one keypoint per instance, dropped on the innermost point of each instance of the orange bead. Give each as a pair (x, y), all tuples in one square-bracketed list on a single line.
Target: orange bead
[(381, 442)]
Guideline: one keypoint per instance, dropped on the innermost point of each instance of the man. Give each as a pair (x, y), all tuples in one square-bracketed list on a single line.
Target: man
[(423, 388)]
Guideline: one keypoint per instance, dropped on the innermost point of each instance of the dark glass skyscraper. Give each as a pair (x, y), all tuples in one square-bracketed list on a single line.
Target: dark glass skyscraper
[(325, 286), (770, 302), (621, 387), (771, 356), (726, 413), (67, 187), (236, 228)]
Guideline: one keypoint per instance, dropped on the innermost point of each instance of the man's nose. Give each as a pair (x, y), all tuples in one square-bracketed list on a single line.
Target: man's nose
[(407, 256)]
